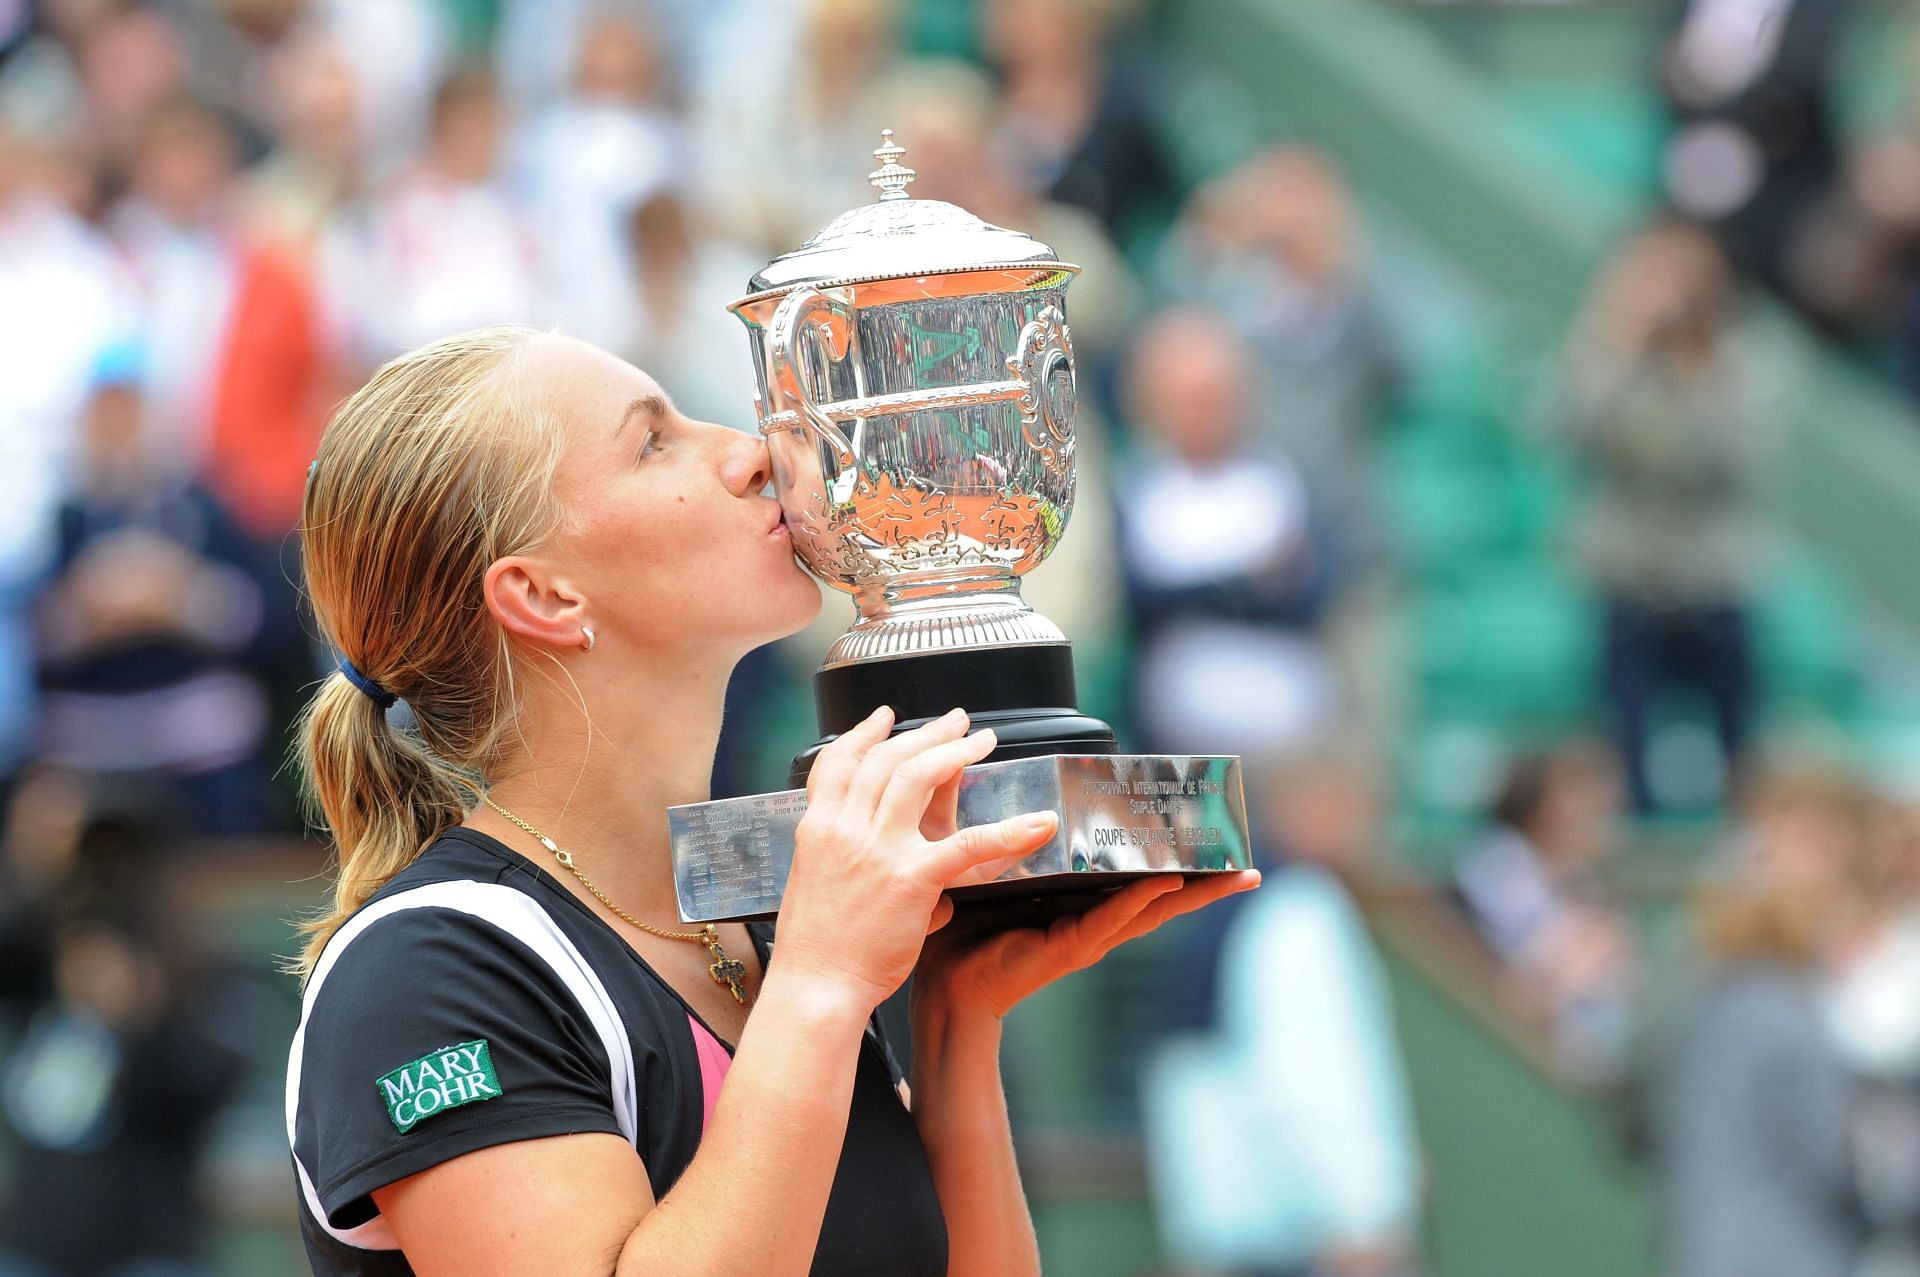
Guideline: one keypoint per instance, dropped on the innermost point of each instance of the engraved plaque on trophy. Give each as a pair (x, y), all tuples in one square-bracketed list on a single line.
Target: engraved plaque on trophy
[(917, 394)]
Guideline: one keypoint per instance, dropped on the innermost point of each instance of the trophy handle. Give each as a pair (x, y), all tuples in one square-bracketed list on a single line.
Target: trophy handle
[(832, 323), (1042, 366)]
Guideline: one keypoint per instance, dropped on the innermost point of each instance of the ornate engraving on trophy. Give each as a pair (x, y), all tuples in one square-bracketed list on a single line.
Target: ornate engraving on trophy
[(1043, 363)]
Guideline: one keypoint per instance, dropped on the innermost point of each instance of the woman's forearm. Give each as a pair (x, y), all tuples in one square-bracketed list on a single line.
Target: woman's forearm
[(754, 1196), (960, 1107)]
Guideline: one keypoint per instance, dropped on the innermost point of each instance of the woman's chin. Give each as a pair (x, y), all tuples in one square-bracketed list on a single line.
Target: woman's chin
[(795, 604), (809, 605)]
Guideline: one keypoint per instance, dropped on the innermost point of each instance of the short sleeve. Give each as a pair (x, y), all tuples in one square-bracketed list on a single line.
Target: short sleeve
[(436, 1033)]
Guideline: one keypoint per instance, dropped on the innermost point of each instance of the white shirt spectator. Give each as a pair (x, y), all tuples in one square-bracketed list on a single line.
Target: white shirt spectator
[(66, 307), (580, 169), (1289, 1136), (185, 277), (430, 258)]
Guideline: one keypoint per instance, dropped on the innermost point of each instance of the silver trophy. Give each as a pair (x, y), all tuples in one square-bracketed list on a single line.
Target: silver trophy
[(916, 390)]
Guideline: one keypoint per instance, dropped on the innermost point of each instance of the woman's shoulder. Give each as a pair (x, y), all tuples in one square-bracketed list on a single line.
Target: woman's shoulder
[(444, 949), (453, 888), (467, 878), (468, 1000), (446, 1016), (470, 925)]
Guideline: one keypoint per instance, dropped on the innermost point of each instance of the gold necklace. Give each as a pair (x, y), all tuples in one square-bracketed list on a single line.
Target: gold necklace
[(723, 969)]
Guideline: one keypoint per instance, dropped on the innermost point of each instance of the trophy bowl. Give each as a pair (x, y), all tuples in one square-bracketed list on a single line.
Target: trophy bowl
[(916, 389)]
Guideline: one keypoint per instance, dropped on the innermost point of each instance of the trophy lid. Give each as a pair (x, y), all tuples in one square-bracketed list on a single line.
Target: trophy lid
[(897, 236)]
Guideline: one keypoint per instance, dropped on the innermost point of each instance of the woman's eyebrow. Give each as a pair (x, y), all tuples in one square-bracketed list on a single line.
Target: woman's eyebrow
[(654, 406)]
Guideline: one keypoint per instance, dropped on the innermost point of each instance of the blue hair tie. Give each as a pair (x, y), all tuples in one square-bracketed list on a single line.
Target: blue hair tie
[(374, 692)]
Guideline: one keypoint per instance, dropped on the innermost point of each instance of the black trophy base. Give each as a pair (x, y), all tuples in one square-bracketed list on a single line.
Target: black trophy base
[(1025, 694)]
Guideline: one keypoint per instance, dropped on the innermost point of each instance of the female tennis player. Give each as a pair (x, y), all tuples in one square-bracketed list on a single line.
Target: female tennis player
[(512, 1058)]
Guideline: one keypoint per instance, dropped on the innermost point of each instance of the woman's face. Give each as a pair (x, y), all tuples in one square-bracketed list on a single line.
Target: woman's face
[(670, 539)]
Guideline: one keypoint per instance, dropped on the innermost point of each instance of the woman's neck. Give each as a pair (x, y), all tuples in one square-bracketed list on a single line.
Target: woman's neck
[(599, 783)]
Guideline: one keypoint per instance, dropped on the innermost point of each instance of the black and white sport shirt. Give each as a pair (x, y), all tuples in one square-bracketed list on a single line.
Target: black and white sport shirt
[(475, 1001)]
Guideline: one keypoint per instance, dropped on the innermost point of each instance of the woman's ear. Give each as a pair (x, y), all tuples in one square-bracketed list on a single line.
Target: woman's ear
[(532, 605)]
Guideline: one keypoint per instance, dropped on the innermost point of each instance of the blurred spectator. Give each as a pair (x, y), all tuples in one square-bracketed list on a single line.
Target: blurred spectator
[(782, 115), (65, 306), (1755, 1158), (1853, 264), (1860, 262), (177, 230), (689, 341), (400, 51), (1276, 245), (1874, 1012), (1875, 1021), (536, 48), (274, 381), (1754, 149), (125, 62), (1665, 416), (128, 1052), (1226, 567), (442, 248), (153, 628), (1078, 123), (582, 165), (1531, 887), (1294, 1094), (275, 374), (316, 163)]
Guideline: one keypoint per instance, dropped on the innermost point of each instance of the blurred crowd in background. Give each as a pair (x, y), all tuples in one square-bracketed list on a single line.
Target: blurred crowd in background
[(218, 216)]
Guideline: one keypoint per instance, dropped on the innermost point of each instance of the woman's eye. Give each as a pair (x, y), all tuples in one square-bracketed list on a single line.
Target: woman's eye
[(651, 445)]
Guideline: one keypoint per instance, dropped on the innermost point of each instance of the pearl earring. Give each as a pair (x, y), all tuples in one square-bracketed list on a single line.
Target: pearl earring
[(588, 631)]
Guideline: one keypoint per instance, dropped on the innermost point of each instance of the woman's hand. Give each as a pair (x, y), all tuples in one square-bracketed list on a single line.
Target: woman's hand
[(987, 976), (867, 883)]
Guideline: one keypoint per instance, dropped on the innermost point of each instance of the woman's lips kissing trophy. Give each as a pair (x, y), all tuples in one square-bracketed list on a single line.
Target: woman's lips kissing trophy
[(916, 390)]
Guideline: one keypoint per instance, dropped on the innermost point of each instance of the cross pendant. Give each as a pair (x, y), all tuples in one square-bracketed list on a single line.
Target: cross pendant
[(724, 970)]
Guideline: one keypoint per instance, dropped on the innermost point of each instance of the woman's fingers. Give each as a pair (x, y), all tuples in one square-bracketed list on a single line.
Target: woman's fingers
[(951, 858), (942, 914), (834, 766), (878, 766), (943, 810), (1197, 893), (904, 803), (989, 871), (1077, 942), (1098, 925)]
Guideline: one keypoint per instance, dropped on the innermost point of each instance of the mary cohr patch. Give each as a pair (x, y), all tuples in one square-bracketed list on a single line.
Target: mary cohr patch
[(443, 1079)]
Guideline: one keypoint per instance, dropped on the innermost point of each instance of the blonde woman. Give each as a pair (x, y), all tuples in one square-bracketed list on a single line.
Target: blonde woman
[(512, 1056)]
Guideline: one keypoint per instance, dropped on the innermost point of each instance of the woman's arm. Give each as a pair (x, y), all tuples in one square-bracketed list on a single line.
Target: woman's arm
[(962, 990), (961, 1110)]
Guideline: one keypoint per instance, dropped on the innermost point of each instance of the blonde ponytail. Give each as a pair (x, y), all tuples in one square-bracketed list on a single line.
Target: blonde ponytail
[(425, 476)]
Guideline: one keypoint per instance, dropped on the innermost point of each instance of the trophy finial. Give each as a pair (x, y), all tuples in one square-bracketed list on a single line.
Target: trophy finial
[(891, 177)]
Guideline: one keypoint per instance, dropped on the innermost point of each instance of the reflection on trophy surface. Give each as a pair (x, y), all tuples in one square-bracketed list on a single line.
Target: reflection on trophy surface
[(916, 389)]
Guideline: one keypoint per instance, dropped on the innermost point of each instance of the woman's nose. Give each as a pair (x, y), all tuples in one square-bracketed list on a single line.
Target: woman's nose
[(748, 466)]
